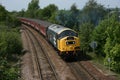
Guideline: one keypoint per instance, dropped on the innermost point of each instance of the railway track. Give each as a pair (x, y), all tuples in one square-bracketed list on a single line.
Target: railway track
[(84, 70), (32, 49), (93, 71), (43, 68), (80, 72)]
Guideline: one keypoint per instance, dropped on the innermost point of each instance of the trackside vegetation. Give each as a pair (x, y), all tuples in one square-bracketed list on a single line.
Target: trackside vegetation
[(10, 49), (107, 36), (10, 46)]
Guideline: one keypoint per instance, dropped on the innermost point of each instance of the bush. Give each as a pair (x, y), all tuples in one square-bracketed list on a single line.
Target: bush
[(10, 44)]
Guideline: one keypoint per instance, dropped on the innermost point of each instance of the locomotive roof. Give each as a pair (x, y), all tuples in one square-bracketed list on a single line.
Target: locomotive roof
[(58, 28)]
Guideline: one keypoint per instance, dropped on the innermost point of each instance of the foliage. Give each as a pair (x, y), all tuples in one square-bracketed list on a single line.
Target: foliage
[(3, 13), (32, 9), (21, 13), (99, 35), (92, 12), (62, 17), (7, 19), (48, 11), (12, 21), (69, 18), (52, 19), (85, 35), (112, 45), (10, 44), (74, 21), (7, 72), (108, 39)]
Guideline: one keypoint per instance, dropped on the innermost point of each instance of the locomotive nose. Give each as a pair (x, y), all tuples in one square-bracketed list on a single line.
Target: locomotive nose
[(71, 47)]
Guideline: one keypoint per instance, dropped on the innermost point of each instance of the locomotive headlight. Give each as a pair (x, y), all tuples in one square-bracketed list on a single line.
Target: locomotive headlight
[(73, 42)]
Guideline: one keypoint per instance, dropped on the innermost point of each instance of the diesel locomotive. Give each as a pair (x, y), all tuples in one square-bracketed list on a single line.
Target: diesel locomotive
[(65, 40)]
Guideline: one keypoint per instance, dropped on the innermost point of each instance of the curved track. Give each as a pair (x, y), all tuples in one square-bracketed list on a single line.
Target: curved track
[(43, 68)]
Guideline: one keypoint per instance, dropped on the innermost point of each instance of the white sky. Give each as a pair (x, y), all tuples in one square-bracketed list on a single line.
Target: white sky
[(17, 5)]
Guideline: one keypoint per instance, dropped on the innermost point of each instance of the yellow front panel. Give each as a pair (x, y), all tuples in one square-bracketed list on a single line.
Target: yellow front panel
[(62, 46)]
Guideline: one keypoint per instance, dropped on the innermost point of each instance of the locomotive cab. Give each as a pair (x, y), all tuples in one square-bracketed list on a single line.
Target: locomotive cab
[(64, 39), (68, 43)]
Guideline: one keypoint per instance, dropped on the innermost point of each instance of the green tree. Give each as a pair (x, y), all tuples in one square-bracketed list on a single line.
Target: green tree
[(32, 9), (48, 11), (52, 19), (21, 13), (63, 17), (10, 44), (12, 21), (99, 35), (112, 45), (74, 17), (85, 36), (7, 18), (92, 12), (69, 18), (3, 13)]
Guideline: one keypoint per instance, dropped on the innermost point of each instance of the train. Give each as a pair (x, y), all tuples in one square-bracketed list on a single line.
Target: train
[(64, 39)]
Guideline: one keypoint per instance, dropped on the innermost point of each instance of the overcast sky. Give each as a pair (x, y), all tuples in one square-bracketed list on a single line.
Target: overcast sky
[(17, 5)]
